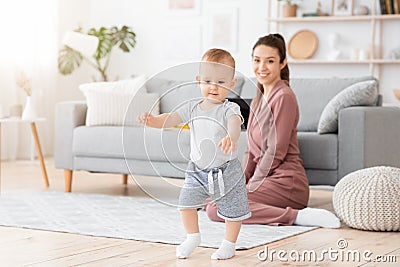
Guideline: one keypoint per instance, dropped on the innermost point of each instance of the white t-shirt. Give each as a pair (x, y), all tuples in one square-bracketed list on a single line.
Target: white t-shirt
[(207, 128)]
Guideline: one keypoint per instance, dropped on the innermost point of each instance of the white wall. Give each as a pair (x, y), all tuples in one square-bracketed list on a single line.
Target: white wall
[(153, 24), (72, 14), (151, 21), (29, 30)]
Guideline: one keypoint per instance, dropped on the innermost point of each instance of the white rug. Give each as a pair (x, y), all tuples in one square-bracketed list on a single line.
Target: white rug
[(133, 218)]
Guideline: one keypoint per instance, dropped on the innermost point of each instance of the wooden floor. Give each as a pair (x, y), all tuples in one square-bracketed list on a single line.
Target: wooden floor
[(24, 247)]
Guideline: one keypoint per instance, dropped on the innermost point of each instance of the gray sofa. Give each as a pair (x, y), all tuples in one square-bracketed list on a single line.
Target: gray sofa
[(367, 136)]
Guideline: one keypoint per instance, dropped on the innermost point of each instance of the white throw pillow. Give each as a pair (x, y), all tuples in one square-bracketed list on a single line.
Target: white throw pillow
[(118, 103), (129, 86), (359, 94)]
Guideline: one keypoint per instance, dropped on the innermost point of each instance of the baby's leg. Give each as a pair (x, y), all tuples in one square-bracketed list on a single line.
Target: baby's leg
[(190, 221), (233, 207), (193, 239), (227, 248), (232, 230)]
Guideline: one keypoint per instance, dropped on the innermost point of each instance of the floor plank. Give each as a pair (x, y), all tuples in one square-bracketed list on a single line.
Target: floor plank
[(25, 247)]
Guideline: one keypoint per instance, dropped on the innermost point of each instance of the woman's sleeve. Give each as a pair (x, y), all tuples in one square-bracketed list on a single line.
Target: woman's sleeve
[(277, 142)]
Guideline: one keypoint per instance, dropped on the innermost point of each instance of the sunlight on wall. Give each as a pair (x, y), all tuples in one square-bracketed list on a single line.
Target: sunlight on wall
[(29, 44), (29, 29)]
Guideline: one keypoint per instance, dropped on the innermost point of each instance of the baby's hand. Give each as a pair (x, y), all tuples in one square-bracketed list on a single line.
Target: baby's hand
[(144, 118), (227, 145)]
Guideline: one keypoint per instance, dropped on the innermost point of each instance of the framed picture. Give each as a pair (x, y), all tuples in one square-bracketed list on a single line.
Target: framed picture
[(343, 7), (222, 29), (183, 7)]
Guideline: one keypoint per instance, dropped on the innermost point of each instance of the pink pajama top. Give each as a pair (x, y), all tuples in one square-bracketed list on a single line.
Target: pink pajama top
[(273, 149)]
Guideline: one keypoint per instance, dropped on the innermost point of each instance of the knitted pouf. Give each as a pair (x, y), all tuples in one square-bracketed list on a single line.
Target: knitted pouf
[(369, 199)]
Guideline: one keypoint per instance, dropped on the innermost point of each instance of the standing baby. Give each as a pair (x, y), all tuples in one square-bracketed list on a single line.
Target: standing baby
[(214, 170)]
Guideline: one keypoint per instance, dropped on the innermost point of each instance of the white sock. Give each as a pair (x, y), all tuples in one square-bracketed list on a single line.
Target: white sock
[(187, 247), (317, 217), (225, 251)]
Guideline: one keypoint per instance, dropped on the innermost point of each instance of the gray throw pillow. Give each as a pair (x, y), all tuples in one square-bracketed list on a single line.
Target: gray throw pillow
[(359, 94)]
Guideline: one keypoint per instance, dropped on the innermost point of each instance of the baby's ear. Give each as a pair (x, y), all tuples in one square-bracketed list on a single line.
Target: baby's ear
[(233, 83), (198, 80)]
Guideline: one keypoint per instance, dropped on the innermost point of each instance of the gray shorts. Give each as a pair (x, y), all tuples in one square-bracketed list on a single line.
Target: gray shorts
[(226, 185)]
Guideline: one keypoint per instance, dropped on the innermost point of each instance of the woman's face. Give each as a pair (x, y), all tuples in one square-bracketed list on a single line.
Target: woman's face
[(266, 65)]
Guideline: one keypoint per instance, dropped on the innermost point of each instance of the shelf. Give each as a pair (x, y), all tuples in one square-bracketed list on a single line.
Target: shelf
[(386, 61), (373, 26), (369, 61), (335, 18)]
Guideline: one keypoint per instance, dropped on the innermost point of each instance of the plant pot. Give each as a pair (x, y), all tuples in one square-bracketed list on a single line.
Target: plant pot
[(29, 112), (289, 10)]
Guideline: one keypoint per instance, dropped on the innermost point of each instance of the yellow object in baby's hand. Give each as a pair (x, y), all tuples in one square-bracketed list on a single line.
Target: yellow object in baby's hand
[(186, 126)]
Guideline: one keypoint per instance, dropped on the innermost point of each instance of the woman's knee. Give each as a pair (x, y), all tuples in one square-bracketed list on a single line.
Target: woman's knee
[(211, 210)]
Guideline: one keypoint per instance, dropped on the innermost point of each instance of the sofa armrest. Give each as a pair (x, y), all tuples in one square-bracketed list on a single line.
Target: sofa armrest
[(68, 116), (368, 136)]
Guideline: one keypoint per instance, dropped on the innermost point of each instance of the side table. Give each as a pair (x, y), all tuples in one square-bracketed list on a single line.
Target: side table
[(35, 135)]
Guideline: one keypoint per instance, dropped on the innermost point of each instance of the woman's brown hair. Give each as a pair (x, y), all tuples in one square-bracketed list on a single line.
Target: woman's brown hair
[(277, 41)]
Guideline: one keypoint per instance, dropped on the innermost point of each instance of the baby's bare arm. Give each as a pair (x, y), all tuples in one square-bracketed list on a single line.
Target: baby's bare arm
[(229, 142), (234, 128), (164, 120)]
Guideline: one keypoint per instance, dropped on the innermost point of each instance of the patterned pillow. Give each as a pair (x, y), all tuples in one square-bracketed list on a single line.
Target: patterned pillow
[(359, 94)]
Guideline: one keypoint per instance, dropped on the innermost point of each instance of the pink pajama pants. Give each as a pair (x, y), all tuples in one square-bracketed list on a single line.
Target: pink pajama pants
[(275, 202)]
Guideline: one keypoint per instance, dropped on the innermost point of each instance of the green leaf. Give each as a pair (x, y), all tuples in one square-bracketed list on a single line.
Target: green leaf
[(124, 38), (68, 60), (105, 42), (124, 47)]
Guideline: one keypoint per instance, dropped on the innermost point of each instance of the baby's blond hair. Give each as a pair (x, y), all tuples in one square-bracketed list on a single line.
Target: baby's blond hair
[(219, 56)]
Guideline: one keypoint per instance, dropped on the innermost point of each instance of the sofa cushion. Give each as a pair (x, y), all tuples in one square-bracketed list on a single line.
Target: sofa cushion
[(115, 108), (312, 96), (115, 142), (174, 93), (249, 88), (128, 86), (118, 103), (358, 94), (318, 151)]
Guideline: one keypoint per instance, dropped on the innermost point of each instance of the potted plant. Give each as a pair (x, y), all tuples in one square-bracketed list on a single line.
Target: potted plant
[(289, 8), (69, 58)]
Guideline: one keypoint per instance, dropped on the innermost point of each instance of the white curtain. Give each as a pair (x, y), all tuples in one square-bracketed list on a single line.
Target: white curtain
[(28, 43)]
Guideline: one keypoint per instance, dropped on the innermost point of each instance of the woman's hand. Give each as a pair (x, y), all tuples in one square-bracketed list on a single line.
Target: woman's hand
[(227, 145)]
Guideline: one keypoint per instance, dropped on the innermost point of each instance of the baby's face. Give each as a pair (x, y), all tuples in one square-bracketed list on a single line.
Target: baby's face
[(215, 81)]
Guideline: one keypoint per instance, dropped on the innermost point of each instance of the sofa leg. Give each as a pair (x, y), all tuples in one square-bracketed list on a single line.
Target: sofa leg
[(124, 178), (68, 180)]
